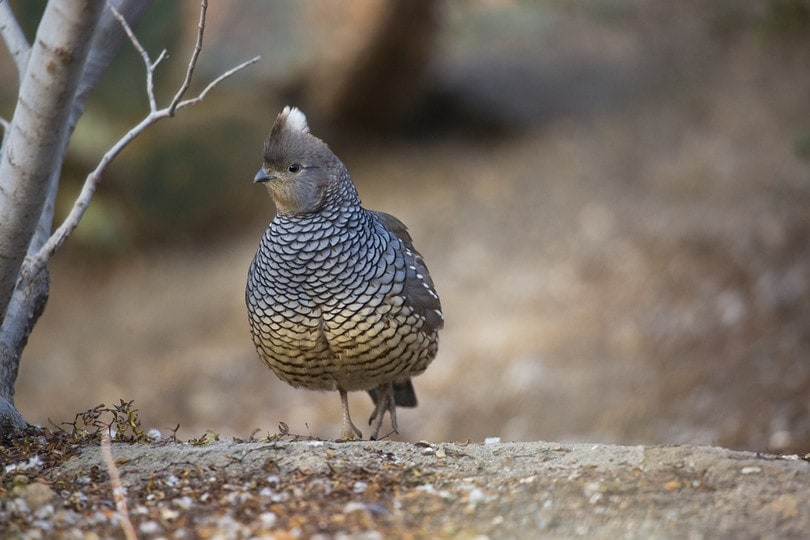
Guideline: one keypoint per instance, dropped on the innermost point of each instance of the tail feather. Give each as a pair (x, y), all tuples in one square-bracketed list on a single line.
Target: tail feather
[(404, 394)]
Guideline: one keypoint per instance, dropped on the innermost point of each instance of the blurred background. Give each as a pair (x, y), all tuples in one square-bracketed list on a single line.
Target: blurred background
[(613, 198)]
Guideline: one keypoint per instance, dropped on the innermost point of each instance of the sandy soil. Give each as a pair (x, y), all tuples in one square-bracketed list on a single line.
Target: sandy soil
[(630, 265)]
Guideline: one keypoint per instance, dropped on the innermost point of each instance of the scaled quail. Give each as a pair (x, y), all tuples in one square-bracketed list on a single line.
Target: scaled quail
[(337, 296)]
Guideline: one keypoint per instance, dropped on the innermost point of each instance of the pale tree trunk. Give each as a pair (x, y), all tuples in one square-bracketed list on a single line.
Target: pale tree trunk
[(75, 42)]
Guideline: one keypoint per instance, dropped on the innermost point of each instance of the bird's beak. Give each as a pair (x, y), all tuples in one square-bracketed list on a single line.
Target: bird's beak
[(262, 176)]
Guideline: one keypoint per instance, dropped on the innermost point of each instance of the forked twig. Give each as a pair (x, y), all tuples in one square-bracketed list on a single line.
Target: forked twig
[(34, 264), (192, 61), (150, 66)]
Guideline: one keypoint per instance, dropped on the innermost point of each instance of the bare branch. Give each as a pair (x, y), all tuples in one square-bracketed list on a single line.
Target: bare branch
[(14, 37), (118, 489), (36, 262), (212, 84), (150, 66), (192, 63)]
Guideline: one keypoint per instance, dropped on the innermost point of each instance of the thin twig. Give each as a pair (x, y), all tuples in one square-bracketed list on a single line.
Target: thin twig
[(14, 37), (212, 84), (150, 66), (34, 264), (118, 490), (192, 63)]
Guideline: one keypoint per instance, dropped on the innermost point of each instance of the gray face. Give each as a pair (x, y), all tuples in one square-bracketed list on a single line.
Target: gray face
[(298, 167)]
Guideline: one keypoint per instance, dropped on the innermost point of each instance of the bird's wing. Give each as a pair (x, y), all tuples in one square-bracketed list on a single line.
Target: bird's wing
[(419, 289)]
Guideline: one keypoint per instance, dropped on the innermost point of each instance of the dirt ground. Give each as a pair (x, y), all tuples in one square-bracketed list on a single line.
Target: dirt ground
[(628, 263), (286, 488)]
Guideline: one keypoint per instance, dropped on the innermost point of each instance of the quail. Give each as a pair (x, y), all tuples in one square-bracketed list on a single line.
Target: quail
[(337, 296)]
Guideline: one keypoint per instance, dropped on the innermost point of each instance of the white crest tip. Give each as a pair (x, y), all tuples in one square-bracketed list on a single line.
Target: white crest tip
[(295, 119)]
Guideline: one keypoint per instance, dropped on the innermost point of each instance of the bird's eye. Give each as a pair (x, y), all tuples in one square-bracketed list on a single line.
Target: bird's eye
[(295, 167)]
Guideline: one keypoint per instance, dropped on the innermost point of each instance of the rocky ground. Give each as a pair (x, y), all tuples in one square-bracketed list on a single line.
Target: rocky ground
[(291, 487)]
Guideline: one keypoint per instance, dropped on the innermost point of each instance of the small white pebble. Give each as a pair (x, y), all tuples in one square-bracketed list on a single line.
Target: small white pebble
[(184, 503), (316, 443), (428, 488), (149, 527), (32, 463), (100, 517), (476, 496), (751, 470), (354, 506), (154, 434), (592, 488), (139, 510), (492, 440), (359, 487), (227, 523), (172, 480), (268, 519), (44, 511), (38, 527), (168, 514)]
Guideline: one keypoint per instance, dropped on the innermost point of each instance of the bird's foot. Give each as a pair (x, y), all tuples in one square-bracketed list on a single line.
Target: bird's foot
[(385, 403), (349, 432)]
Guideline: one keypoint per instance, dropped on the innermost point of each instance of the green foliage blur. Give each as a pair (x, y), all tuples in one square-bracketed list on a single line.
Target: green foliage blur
[(186, 179)]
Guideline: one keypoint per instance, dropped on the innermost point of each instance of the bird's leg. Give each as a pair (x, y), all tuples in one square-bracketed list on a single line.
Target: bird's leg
[(385, 403), (349, 430)]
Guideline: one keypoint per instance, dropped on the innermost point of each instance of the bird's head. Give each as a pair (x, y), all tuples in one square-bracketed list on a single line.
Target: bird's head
[(298, 167)]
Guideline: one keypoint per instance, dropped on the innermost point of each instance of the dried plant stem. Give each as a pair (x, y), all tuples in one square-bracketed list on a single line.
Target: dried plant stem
[(118, 490)]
